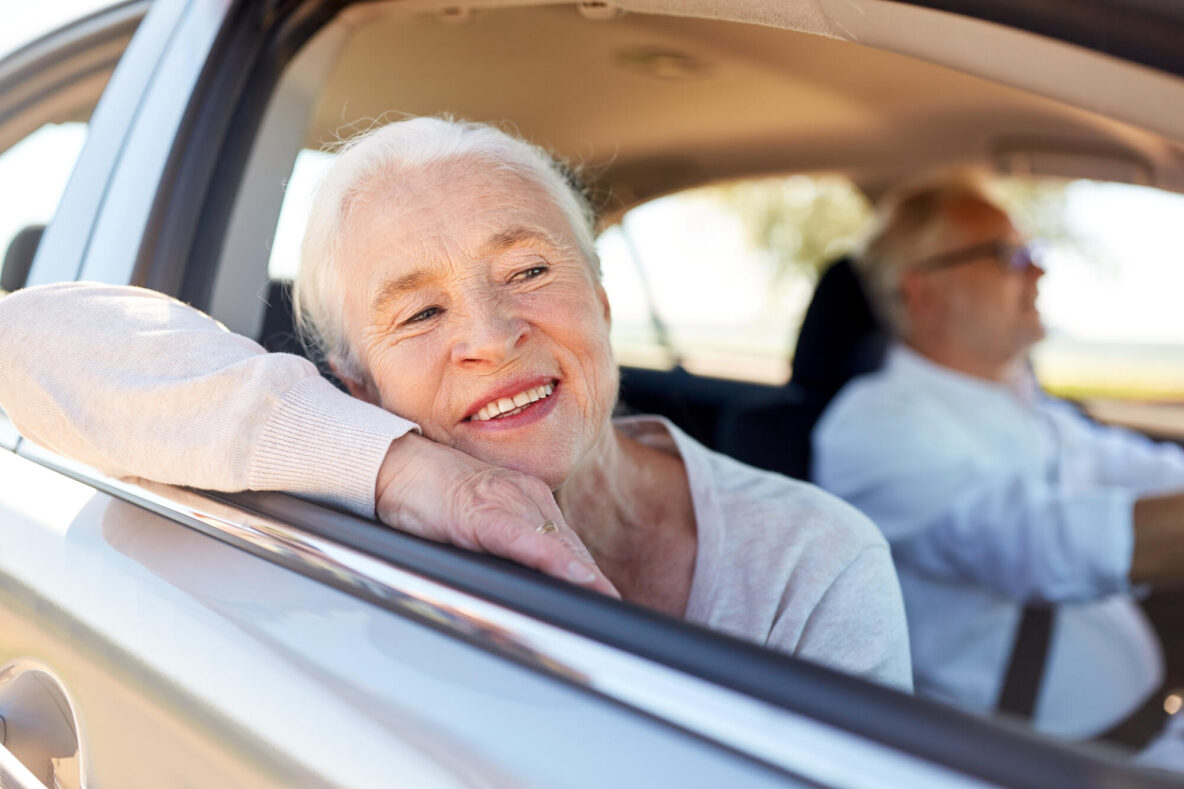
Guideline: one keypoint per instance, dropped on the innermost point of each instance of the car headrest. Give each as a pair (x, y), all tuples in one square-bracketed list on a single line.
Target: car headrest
[(279, 335), (841, 336), (19, 257)]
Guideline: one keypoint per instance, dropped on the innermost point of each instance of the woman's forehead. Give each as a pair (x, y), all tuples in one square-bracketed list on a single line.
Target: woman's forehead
[(455, 203), (445, 217)]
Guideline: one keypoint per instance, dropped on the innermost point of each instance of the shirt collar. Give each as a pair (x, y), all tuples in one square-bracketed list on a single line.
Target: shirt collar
[(904, 360)]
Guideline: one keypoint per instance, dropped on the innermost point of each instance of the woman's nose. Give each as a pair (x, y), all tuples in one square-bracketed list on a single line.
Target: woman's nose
[(488, 333)]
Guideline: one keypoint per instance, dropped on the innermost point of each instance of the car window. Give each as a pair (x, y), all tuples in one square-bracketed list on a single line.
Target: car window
[(33, 175), (677, 267), (718, 278), (1110, 296), (285, 248), (37, 19)]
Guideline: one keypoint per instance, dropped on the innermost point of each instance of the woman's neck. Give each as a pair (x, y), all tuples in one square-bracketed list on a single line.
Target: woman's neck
[(631, 506)]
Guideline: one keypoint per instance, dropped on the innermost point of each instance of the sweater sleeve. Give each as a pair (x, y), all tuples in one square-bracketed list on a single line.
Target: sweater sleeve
[(858, 626), (137, 384)]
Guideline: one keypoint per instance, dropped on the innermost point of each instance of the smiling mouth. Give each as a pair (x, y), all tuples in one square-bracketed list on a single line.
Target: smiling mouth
[(516, 404)]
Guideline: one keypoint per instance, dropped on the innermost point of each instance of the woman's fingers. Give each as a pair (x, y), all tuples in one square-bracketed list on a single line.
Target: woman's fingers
[(442, 494), (559, 553)]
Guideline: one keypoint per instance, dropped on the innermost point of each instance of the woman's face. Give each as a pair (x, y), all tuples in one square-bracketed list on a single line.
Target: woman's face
[(475, 315)]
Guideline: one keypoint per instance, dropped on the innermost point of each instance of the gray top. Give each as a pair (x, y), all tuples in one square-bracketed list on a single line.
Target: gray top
[(784, 564)]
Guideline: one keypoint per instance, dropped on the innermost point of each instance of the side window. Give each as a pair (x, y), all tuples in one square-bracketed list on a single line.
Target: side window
[(310, 165), (1110, 297), (33, 175), (718, 278)]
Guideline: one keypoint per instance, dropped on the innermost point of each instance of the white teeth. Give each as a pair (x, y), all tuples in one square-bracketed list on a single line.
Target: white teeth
[(502, 405)]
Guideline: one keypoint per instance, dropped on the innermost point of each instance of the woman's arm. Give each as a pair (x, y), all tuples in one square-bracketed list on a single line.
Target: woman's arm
[(858, 626), (139, 385)]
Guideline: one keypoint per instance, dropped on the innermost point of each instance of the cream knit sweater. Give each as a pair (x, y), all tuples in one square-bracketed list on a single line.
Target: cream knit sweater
[(139, 385)]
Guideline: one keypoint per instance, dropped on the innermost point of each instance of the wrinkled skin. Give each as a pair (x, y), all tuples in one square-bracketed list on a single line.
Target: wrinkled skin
[(466, 283), (976, 317)]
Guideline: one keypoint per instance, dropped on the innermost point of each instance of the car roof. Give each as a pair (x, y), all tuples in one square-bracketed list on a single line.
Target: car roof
[(654, 102)]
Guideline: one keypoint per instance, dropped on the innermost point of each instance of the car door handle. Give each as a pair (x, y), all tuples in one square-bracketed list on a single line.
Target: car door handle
[(39, 731)]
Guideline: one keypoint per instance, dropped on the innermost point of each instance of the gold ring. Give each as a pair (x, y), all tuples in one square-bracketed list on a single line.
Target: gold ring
[(548, 527)]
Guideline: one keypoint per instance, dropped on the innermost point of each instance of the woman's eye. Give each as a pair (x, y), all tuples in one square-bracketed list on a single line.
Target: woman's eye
[(424, 315), (531, 273)]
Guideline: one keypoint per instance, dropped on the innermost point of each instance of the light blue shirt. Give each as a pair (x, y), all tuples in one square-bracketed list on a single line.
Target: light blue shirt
[(992, 495)]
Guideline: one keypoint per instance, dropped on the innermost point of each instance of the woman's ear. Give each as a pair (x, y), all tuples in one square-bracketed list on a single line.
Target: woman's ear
[(361, 389)]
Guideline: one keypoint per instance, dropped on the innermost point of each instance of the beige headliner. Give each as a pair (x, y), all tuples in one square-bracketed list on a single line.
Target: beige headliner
[(766, 100)]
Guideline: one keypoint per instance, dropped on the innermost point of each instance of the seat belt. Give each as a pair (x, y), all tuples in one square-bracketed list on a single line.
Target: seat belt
[(1029, 656)]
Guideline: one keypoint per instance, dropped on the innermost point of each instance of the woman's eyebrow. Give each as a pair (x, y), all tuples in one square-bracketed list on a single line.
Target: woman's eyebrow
[(514, 236), (392, 289)]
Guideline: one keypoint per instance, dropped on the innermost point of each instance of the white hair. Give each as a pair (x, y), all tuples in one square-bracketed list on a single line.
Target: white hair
[(913, 223), (394, 151)]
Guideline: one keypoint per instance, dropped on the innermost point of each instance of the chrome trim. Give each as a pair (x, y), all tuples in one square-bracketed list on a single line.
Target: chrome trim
[(801, 746)]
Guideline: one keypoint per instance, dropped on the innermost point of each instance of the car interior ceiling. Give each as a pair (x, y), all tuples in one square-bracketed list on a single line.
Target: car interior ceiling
[(672, 96)]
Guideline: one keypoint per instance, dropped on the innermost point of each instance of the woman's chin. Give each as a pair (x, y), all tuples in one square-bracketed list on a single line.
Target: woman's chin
[(531, 458)]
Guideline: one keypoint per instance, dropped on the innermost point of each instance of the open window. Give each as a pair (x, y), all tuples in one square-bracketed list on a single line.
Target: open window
[(1110, 297)]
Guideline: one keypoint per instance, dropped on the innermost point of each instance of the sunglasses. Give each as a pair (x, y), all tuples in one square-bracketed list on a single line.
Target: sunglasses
[(1017, 258)]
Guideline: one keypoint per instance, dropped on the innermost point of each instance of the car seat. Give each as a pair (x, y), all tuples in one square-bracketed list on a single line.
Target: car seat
[(18, 260), (279, 334), (840, 338)]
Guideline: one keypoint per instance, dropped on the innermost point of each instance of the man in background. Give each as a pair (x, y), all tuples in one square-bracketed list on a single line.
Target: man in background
[(1019, 527)]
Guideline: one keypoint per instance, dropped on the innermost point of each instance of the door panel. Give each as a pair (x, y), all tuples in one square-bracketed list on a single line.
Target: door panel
[(190, 661)]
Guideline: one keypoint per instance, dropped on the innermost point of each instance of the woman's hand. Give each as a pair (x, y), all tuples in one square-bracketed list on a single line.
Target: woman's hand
[(443, 494)]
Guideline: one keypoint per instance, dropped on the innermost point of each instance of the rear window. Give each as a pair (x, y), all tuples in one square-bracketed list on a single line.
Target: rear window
[(718, 278), (1110, 297)]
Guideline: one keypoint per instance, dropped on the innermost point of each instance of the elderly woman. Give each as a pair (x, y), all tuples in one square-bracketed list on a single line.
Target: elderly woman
[(449, 275)]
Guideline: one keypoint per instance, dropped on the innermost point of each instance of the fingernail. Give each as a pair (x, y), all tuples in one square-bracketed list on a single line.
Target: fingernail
[(580, 573)]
